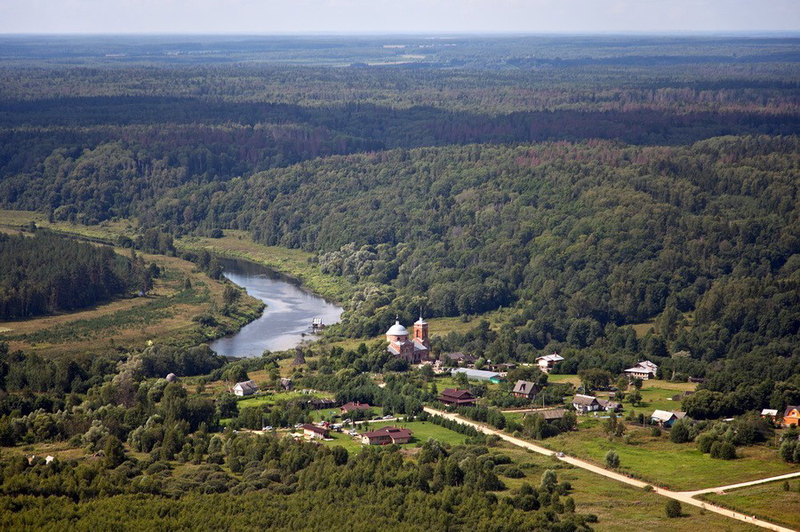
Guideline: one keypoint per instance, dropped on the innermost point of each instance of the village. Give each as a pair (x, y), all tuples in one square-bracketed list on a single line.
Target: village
[(363, 423)]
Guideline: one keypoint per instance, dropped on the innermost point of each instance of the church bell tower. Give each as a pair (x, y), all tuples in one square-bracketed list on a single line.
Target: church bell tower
[(421, 332)]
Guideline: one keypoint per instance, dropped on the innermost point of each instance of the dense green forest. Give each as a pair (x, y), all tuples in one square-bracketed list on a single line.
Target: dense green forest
[(610, 198), (48, 273)]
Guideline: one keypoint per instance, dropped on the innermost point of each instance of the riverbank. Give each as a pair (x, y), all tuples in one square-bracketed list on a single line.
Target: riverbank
[(292, 262)]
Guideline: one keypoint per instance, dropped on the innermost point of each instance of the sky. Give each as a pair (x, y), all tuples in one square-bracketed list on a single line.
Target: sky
[(397, 16)]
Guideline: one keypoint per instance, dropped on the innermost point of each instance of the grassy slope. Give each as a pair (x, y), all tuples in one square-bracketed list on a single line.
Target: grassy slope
[(769, 501)]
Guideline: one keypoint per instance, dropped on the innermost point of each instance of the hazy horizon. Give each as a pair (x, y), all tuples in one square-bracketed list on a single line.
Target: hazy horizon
[(409, 17)]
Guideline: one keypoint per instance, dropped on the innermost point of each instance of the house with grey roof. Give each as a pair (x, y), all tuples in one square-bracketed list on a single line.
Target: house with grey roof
[(526, 389), (586, 403), (245, 388)]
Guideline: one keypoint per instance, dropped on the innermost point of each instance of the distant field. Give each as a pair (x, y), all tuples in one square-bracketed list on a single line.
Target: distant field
[(677, 466), (769, 501)]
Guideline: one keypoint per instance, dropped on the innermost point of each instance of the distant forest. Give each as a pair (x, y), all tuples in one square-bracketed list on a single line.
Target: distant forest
[(47, 273), (588, 183)]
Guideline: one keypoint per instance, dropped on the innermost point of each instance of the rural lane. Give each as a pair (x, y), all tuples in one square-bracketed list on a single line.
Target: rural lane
[(682, 496)]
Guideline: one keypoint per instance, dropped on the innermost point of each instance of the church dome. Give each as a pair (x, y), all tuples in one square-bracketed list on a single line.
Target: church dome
[(397, 330)]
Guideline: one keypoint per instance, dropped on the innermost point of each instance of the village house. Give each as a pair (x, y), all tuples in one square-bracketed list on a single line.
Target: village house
[(320, 403), (478, 374), (585, 403), (526, 389), (547, 362), (791, 416), (353, 407), (459, 358), (502, 367), (413, 351), (609, 406), (314, 432), (454, 396), (386, 436), (245, 388), (643, 370), (666, 419), (551, 414)]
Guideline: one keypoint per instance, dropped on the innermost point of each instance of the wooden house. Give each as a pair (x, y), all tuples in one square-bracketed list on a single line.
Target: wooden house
[(454, 396), (315, 432), (386, 436), (245, 388), (791, 416), (353, 407), (526, 389), (665, 418), (585, 403)]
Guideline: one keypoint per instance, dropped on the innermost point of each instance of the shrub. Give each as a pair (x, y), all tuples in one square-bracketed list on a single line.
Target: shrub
[(612, 459), (513, 472), (705, 441), (673, 508), (655, 432), (679, 433), (727, 451), (715, 449)]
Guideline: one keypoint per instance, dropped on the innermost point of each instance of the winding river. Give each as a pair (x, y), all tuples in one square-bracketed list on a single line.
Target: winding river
[(286, 319)]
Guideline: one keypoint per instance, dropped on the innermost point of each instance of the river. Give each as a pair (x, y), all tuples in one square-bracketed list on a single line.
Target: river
[(287, 317)]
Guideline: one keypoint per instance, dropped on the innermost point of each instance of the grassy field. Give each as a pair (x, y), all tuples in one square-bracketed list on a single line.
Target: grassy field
[(768, 501), (657, 395), (677, 466), (164, 315), (619, 508), (273, 398), (558, 379)]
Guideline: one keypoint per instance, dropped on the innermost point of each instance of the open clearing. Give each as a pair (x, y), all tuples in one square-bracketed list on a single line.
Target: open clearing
[(677, 466), (619, 508), (768, 501)]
